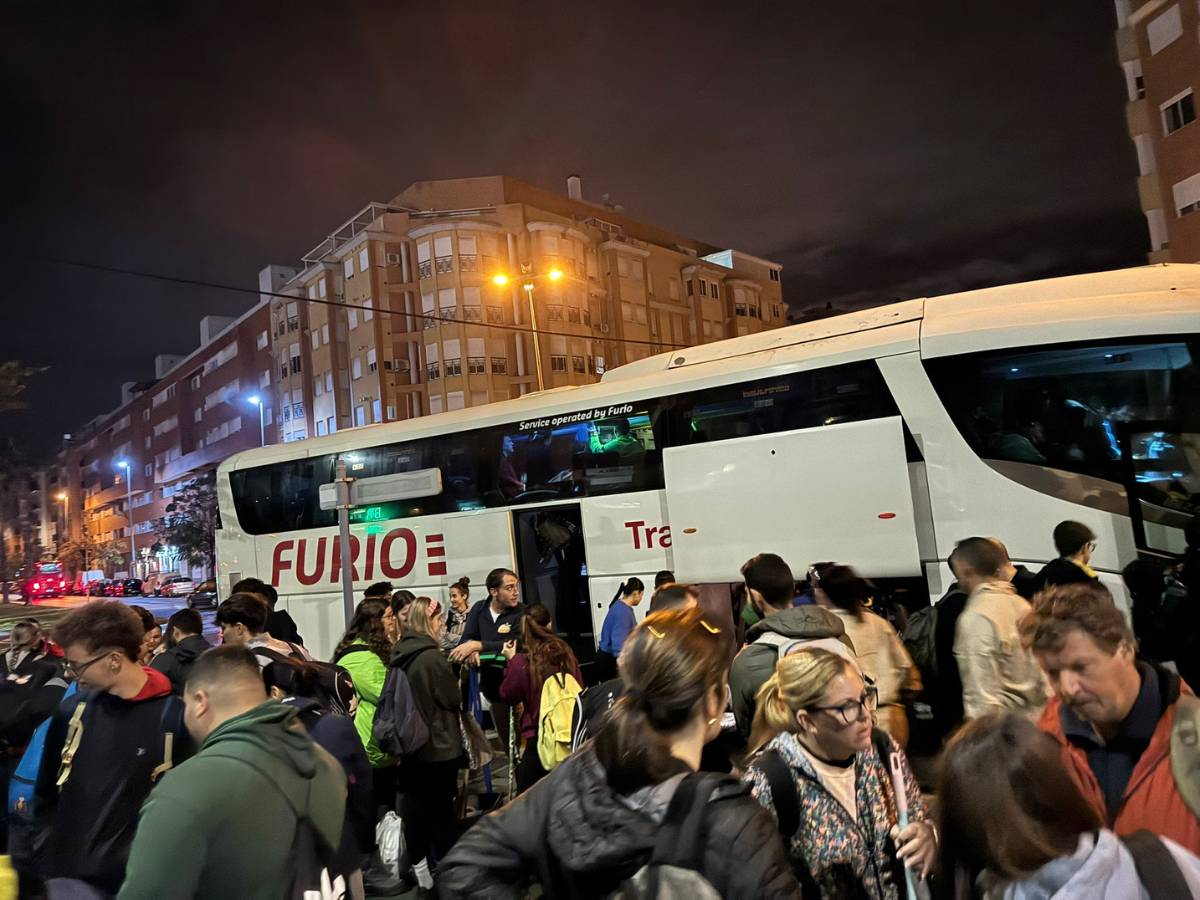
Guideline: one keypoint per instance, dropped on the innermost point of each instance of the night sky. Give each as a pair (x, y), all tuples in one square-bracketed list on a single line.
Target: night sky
[(877, 150)]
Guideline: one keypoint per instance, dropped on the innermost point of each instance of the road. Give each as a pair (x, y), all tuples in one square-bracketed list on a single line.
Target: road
[(49, 611)]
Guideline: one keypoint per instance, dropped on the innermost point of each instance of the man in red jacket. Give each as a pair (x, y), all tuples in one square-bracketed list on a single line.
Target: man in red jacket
[(1112, 715)]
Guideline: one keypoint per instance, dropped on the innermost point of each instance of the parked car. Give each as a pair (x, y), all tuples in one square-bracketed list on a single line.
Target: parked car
[(175, 586), (98, 588), (204, 596), (126, 587)]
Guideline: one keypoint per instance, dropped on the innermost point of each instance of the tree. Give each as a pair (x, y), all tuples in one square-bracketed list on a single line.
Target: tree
[(108, 556), (13, 376), (76, 553), (191, 521)]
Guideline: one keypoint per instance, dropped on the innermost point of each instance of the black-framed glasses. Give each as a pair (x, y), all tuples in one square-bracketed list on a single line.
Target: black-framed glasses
[(78, 670), (852, 710)]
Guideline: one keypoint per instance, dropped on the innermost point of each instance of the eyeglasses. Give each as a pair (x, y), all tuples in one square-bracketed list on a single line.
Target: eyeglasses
[(864, 705), (1092, 546), (78, 670)]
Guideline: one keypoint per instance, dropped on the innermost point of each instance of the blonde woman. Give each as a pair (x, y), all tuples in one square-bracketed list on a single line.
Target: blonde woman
[(820, 754), (879, 649), (429, 777)]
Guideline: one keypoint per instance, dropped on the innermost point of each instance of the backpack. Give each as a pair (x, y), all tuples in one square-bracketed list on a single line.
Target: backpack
[(785, 645), (399, 728), (590, 708), (919, 640), (24, 777), (676, 867), (334, 687), (1156, 868), (559, 693)]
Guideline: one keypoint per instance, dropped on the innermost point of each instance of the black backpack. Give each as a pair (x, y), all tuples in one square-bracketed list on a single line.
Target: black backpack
[(334, 687), (676, 867)]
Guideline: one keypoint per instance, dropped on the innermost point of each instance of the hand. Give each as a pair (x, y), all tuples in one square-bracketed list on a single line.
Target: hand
[(465, 649), (916, 846), (509, 649)]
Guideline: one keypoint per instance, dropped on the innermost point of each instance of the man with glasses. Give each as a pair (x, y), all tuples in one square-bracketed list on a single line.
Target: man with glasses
[(105, 749), (997, 672), (1075, 543)]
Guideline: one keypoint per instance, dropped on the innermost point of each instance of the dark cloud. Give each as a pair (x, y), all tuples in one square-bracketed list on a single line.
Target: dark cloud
[(878, 150)]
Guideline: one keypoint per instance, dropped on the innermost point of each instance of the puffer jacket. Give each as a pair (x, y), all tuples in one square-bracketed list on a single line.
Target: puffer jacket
[(582, 840), (756, 661), (1101, 868), (833, 854)]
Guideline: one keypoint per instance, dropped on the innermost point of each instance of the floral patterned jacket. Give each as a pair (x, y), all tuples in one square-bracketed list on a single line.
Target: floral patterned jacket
[(834, 856)]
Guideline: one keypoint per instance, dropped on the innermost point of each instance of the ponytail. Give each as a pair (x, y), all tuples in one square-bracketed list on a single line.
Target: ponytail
[(771, 714), (618, 595), (670, 663)]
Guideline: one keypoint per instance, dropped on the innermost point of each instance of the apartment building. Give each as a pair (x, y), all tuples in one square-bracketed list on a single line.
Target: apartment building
[(457, 293), (453, 294), (115, 477), (1158, 45)]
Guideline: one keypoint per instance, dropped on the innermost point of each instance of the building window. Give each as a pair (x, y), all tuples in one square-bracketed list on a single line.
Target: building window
[(197, 415), (690, 286), (703, 288), (348, 267), (325, 333), (774, 274), (321, 289), (433, 371), (578, 364), (554, 313), (363, 260), (1164, 29), (454, 366), (263, 340), (558, 363), (1187, 195), (599, 365), (495, 315), (320, 427), (297, 410), (476, 365), (573, 315), (316, 339), (368, 309), (356, 368), (296, 359), (499, 365), (352, 318), (1178, 111)]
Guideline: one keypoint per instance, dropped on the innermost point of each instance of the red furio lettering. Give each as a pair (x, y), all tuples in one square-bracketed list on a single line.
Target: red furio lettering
[(370, 557), (335, 570), (278, 564), (634, 527), (386, 566), (664, 536), (303, 575)]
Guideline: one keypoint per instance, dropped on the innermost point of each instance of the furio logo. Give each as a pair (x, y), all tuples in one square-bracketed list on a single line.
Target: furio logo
[(392, 555)]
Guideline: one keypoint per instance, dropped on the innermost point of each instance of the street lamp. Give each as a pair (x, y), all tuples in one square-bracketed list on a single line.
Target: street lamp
[(124, 464), (62, 497), (500, 279), (262, 425)]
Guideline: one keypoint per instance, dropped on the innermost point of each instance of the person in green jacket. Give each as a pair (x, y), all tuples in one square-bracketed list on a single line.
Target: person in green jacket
[(222, 824), (364, 651)]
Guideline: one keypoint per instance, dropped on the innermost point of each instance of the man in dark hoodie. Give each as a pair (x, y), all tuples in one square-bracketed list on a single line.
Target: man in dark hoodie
[(268, 773), (770, 587), (106, 747), (185, 642)]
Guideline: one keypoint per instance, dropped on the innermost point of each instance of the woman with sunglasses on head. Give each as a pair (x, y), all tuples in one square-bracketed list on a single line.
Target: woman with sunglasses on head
[(827, 774), (594, 822), (429, 777)]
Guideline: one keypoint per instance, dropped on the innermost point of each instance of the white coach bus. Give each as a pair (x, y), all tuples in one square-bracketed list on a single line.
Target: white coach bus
[(875, 438)]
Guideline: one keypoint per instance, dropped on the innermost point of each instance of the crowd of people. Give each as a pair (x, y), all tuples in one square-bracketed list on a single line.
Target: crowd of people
[(747, 744)]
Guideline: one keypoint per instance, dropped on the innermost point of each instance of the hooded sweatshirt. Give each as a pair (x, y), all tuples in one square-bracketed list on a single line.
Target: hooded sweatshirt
[(222, 824), (435, 691), (176, 663), (1101, 868), (756, 661), (121, 750)]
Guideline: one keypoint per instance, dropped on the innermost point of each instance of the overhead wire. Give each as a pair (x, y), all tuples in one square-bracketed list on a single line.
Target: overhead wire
[(341, 304)]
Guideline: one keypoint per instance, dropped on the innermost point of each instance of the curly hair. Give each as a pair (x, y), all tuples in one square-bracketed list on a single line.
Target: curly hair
[(367, 628)]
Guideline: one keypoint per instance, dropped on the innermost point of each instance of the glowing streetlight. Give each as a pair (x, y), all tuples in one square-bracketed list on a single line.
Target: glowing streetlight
[(125, 465), (501, 279), (554, 274), (262, 427)]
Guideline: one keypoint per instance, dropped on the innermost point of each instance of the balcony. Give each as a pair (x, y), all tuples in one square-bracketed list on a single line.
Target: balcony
[(468, 262), (1127, 44), (1150, 192), (425, 269), (1138, 117), (443, 265)]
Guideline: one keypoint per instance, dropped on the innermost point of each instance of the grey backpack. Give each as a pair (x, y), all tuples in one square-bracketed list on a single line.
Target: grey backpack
[(399, 728), (676, 868)]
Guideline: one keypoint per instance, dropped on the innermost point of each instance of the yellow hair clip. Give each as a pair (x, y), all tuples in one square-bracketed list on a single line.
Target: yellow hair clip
[(654, 631), (712, 629)]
